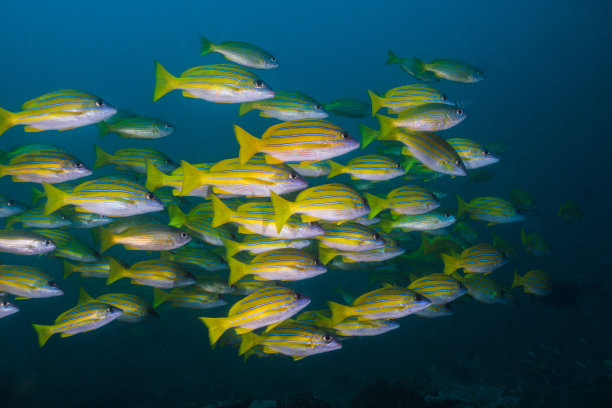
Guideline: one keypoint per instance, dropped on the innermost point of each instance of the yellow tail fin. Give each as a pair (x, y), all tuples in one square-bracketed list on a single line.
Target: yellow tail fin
[(216, 327), (377, 102), (249, 144), (231, 247), (84, 297), (55, 198), (238, 270), (516, 281), (177, 217), (245, 108), (6, 120), (106, 238), (69, 269), (43, 332), (376, 204), (222, 213), (368, 135), (248, 341), (451, 264), (192, 178), (159, 297), (386, 124), (462, 207), (206, 46), (102, 158), (335, 169), (283, 209), (326, 254), (164, 82), (339, 312), (117, 271), (37, 195), (155, 178)]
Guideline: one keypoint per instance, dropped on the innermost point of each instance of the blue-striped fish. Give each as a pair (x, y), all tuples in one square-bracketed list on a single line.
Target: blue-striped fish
[(221, 83), (297, 140), (109, 196), (278, 264), (435, 311), (391, 250), (481, 258), (390, 302), (252, 284), (412, 67), (59, 110), (156, 273), (27, 282), (135, 309), (121, 224), (371, 167), (70, 247), (36, 218), (51, 166), (242, 53), (79, 319), (350, 236), (7, 308), (473, 154), (536, 282), (329, 202), (421, 222), (286, 106), (409, 200), (522, 199), (311, 169), (350, 107), (481, 288), (10, 207), (198, 258), (134, 159), (570, 212), (355, 326), (130, 125), (266, 307), (190, 297), (535, 244), (430, 117), (198, 225), (156, 180), (293, 339), (98, 269), (495, 210), (6, 156), (146, 237), (255, 244), (438, 287), (258, 218), (408, 96), (23, 242)]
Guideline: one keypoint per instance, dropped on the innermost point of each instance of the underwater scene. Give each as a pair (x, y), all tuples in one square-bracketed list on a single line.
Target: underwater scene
[(290, 204)]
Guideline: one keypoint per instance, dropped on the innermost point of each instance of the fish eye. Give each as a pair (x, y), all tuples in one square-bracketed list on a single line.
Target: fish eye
[(167, 161), (486, 152), (398, 166), (459, 111), (458, 162), (47, 242), (78, 164), (318, 107), (99, 103), (447, 215), (63, 217), (327, 338), (418, 297), (184, 234), (317, 262), (111, 309), (293, 175), (297, 296), (345, 135), (259, 83), (376, 237), (444, 98), (5, 303), (363, 200), (479, 72), (10, 203), (272, 58), (52, 284), (150, 196), (312, 223), (167, 125)]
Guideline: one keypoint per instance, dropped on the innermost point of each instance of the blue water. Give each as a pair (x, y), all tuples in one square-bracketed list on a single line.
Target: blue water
[(547, 92)]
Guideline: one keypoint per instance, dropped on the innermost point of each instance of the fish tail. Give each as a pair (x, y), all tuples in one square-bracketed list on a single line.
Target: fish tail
[(450, 263), (377, 102), (426, 245), (386, 125), (155, 177), (43, 332), (206, 46), (216, 327), (10, 221), (238, 270), (6, 120), (104, 128), (102, 158), (339, 312), (326, 254), (386, 225), (245, 107), (117, 271), (222, 213), (56, 198), (84, 297), (69, 269), (376, 204), (368, 135), (283, 209), (177, 217), (248, 341), (516, 281), (164, 82), (410, 161), (523, 237), (192, 178), (392, 58), (159, 297), (335, 169), (231, 247), (249, 144), (37, 195), (106, 238), (462, 207)]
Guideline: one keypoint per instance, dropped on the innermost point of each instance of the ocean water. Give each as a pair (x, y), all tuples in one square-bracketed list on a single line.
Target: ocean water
[(546, 93)]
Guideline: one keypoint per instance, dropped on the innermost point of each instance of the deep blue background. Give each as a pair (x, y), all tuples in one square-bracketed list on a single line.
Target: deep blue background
[(547, 92)]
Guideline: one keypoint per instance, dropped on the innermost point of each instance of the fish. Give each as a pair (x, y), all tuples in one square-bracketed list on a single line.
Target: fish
[(536, 282), (521, 199), (466, 231), (506, 247), (121, 224), (472, 154), (371, 167), (481, 288), (146, 237), (391, 250), (329, 202), (570, 212), (36, 218), (50, 166), (421, 222), (130, 125), (199, 226), (311, 169), (98, 269), (190, 297), (27, 282), (432, 311), (242, 53), (259, 244), (294, 339), (157, 179), (10, 207), (452, 70), (108, 196), (495, 210), (499, 148), (79, 319), (59, 110), (135, 309), (389, 302), (156, 273), (134, 159), (353, 326), (6, 156), (350, 236), (411, 66), (81, 220), (266, 307), (481, 258), (404, 97), (258, 218), (430, 117), (535, 244), (250, 285), (198, 258), (215, 284), (23, 242), (7, 308), (409, 200), (220, 83), (279, 265), (349, 107), (295, 141), (439, 244), (438, 288), (69, 247), (286, 106)]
